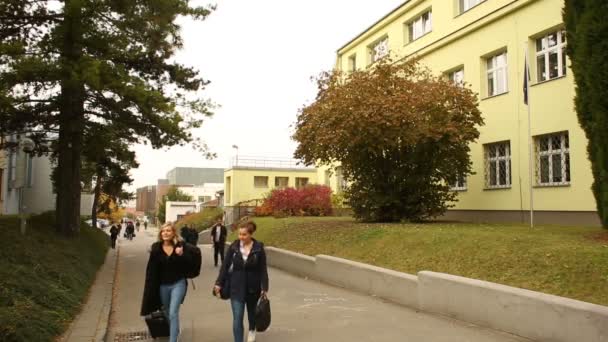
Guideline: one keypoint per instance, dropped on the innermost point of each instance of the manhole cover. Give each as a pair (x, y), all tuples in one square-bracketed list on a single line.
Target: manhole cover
[(132, 336)]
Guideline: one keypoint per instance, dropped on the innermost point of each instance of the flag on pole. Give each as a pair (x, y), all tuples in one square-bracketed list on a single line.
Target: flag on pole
[(526, 79)]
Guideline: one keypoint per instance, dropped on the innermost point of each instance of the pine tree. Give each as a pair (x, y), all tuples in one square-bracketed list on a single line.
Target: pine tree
[(69, 65), (587, 29)]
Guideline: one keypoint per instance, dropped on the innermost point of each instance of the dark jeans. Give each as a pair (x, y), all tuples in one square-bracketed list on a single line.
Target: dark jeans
[(113, 241), (238, 313), (218, 248)]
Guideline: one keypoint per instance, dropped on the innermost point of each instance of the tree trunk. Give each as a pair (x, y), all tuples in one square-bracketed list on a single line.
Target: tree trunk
[(96, 195), (71, 124)]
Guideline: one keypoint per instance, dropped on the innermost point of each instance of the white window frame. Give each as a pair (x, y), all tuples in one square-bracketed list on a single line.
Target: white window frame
[(378, 50), (546, 52), (497, 159), (466, 5), (299, 180), (460, 184), (276, 182), (352, 63), (494, 70), (255, 183), (457, 76), (420, 26), (563, 152)]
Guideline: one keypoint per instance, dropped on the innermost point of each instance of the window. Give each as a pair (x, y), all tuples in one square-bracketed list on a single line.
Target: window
[(301, 182), (551, 56), (204, 199), (352, 63), (378, 50), (553, 159), (281, 182), (260, 181), (457, 76), (498, 165), (460, 184), (342, 185), (497, 74), (466, 5), (30, 166), (12, 169), (328, 177), (420, 26)]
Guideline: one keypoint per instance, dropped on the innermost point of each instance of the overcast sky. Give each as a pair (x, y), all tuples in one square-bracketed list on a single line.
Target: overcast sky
[(259, 56)]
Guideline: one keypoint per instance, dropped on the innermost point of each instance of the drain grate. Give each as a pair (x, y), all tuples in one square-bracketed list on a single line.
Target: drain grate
[(132, 336)]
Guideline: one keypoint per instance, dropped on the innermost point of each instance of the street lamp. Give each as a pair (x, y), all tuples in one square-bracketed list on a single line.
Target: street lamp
[(27, 146), (237, 154)]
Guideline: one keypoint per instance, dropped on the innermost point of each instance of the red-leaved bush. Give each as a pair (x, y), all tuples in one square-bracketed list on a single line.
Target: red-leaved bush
[(311, 200)]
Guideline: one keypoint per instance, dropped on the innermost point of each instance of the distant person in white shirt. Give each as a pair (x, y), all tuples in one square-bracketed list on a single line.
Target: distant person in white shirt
[(218, 235)]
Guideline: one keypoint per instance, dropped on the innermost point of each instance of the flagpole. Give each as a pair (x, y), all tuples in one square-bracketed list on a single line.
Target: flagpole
[(530, 140)]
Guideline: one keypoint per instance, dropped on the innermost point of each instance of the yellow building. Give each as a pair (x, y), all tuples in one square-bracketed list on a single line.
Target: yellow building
[(483, 43), (252, 178)]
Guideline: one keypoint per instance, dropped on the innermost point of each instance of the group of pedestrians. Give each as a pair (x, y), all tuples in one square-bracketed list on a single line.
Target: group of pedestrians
[(243, 276), (129, 227)]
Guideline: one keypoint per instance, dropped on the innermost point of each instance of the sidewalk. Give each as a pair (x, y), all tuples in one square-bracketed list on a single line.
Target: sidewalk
[(302, 310), (92, 323)]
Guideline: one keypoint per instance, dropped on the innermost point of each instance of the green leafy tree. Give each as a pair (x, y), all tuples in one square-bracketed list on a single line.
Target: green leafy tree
[(174, 194), (400, 134), (587, 29), (68, 65)]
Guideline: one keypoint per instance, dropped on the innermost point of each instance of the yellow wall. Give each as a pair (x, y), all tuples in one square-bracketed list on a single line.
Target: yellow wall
[(240, 187), (465, 39)]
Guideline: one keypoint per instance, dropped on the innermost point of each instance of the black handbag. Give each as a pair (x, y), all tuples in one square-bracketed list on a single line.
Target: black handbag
[(262, 314), (157, 324)]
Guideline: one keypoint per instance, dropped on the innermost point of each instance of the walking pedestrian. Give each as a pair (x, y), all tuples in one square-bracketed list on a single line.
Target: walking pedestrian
[(137, 224), (165, 285), (114, 231), (248, 279), (130, 230), (146, 225), (219, 234)]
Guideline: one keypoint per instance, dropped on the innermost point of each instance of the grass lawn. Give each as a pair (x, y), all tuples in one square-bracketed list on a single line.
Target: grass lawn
[(565, 261), (201, 220), (44, 278)]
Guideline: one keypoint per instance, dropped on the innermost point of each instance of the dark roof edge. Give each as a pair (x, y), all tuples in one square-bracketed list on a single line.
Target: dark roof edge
[(372, 26)]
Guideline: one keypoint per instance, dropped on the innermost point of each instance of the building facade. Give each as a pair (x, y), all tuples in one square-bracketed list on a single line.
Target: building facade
[(246, 183), (195, 176), (484, 45)]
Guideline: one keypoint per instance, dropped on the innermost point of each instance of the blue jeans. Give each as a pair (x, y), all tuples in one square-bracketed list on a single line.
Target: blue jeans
[(171, 296), (238, 313)]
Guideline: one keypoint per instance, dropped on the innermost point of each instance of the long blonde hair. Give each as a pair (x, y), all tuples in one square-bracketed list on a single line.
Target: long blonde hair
[(176, 237)]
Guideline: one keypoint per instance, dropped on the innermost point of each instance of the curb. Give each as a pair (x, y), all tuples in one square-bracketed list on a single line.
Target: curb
[(102, 331)]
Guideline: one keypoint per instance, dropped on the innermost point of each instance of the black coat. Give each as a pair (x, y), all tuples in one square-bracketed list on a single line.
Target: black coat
[(151, 299), (223, 233), (250, 277)]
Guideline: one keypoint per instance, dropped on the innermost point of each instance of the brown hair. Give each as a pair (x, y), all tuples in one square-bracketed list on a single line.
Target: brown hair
[(250, 226)]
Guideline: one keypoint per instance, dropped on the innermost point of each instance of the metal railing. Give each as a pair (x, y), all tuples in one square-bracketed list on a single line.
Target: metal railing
[(266, 162)]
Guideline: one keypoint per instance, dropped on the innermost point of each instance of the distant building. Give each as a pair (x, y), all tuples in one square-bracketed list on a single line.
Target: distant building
[(195, 176), (176, 210), (146, 200)]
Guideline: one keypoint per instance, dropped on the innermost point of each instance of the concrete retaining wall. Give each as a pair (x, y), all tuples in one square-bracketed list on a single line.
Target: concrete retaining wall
[(204, 237), (530, 314), (525, 313), (298, 264), (395, 286)]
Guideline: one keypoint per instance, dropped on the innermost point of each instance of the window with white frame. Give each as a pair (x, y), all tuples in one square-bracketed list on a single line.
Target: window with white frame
[(553, 159), (12, 169), (352, 63), (457, 76), (378, 50), (420, 26), (551, 56), (460, 184), (466, 5), (301, 182), (260, 181), (498, 165), (281, 182), (497, 74)]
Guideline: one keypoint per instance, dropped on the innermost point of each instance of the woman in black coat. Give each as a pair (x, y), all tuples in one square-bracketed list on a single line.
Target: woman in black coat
[(165, 287), (245, 264)]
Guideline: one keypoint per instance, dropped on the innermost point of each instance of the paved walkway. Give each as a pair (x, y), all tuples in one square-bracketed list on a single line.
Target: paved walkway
[(302, 310)]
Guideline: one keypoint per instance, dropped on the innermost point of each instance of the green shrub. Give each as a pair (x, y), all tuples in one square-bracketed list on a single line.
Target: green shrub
[(44, 277)]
